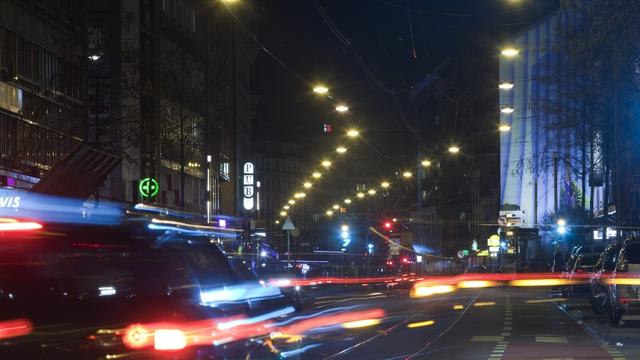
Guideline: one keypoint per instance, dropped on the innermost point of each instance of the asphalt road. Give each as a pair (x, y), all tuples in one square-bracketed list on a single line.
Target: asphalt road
[(507, 323)]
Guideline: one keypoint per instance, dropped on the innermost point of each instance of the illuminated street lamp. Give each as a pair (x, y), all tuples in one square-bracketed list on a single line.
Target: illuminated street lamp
[(342, 108), (307, 185), (277, 222), (320, 89), (291, 202), (506, 109), (353, 133), (336, 206), (299, 195), (454, 149), (505, 85), (329, 212), (326, 163), (347, 201), (504, 128), (286, 207), (426, 163), (385, 184), (283, 213), (509, 52), (371, 192), (316, 175), (360, 195), (344, 228), (341, 149), (407, 174)]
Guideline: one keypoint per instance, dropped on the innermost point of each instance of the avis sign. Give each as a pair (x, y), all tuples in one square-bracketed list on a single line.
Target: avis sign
[(248, 186)]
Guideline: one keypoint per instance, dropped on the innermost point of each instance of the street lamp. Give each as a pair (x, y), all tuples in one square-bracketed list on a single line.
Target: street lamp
[(286, 207), (407, 174), (454, 149), (336, 206), (385, 184), (283, 213), (277, 222), (329, 212), (342, 108), (320, 89), (353, 133), (360, 195), (326, 163), (291, 202), (307, 185), (299, 195), (347, 201), (316, 175), (341, 149), (371, 192), (504, 128), (506, 109), (509, 52), (505, 85), (426, 163)]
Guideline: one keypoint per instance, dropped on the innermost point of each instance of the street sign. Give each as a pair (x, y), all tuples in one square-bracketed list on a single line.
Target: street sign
[(460, 254), (148, 187), (288, 224)]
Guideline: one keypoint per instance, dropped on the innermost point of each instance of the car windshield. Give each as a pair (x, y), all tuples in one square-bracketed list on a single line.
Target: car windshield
[(632, 253)]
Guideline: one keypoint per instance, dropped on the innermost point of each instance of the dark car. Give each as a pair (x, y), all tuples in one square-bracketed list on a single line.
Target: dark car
[(578, 266), (89, 291), (598, 285), (623, 295)]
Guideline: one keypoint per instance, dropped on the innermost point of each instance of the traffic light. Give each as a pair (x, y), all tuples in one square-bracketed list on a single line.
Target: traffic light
[(387, 225)]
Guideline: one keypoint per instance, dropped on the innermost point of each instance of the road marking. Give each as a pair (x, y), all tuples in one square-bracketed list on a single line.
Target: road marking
[(505, 334), (487, 338), (507, 328), (630, 317), (551, 339)]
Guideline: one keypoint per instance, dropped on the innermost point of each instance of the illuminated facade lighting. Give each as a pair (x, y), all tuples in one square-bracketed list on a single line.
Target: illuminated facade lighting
[(504, 128), (509, 52), (505, 86)]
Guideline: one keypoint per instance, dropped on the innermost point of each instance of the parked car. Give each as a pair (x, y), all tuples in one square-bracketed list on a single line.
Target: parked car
[(598, 285), (622, 296), (578, 266)]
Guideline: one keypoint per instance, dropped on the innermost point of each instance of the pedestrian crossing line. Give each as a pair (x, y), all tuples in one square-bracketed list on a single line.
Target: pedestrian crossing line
[(498, 350), (487, 338), (615, 354), (551, 339), (507, 328), (505, 333)]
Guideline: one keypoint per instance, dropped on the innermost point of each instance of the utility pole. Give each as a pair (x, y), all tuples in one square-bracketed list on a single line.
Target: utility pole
[(555, 182)]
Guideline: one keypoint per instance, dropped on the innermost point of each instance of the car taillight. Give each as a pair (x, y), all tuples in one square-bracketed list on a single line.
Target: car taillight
[(169, 339), (19, 226), (136, 337), (14, 328)]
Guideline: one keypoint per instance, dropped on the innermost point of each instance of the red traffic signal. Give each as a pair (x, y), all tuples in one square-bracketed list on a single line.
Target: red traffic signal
[(387, 225)]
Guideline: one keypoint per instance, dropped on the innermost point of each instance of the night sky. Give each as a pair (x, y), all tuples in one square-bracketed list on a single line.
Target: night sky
[(460, 38)]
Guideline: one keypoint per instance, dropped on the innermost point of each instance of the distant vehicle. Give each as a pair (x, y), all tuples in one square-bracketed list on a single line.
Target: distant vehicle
[(598, 286), (623, 296), (80, 291), (476, 269)]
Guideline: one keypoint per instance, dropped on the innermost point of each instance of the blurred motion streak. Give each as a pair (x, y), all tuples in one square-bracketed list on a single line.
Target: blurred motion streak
[(472, 284), (485, 303), (420, 324), (19, 226), (458, 307), (286, 354), (360, 323), (420, 291), (539, 301), (15, 328), (175, 336)]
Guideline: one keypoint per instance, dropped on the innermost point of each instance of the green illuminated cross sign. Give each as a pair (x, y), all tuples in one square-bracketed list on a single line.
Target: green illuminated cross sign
[(148, 187)]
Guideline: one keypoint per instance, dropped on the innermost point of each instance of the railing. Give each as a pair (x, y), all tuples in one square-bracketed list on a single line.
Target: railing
[(24, 144)]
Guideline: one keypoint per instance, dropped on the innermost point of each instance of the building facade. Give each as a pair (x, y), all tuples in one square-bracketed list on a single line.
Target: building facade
[(163, 96), (43, 78)]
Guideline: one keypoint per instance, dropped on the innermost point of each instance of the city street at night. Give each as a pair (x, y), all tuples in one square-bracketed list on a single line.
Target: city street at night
[(319, 179)]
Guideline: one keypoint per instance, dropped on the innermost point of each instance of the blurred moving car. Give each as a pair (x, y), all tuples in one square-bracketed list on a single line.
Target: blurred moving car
[(624, 295), (84, 291), (598, 286)]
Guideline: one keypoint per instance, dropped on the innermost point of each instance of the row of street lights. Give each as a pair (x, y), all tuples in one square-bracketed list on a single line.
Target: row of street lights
[(323, 90)]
